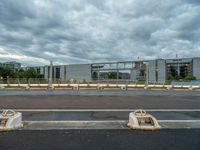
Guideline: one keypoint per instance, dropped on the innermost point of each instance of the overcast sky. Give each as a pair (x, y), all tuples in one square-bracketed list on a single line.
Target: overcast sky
[(85, 31)]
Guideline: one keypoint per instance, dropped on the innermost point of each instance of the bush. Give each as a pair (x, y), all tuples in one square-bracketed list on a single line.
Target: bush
[(6, 72), (170, 78), (189, 78)]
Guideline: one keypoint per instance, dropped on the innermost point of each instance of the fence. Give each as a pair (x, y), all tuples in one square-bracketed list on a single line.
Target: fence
[(58, 81), (97, 84)]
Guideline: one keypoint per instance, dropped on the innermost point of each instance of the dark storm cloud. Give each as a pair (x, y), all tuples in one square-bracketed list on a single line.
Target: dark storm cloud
[(84, 31)]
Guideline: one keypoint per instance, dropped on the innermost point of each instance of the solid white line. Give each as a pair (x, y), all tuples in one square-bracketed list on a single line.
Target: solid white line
[(111, 121), (118, 124), (103, 110), (79, 121), (181, 121)]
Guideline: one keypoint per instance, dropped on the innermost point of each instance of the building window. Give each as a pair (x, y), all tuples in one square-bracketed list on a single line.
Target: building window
[(57, 73)]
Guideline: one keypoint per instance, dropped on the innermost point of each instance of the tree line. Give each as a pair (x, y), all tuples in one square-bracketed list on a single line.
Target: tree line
[(6, 72)]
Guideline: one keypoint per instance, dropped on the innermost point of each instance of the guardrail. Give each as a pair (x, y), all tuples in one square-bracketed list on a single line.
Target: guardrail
[(98, 86), (32, 83)]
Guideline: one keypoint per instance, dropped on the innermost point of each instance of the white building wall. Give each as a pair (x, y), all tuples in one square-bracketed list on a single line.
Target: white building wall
[(62, 72), (152, 71), (42, 70), (133, 74), (54, 72), (196, 68), (46, 76), (161, 64), (79, 72)]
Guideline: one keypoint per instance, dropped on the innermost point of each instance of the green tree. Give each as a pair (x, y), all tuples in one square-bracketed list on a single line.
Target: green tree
[(29, 73), (170, 77), (6, 72), (189, 78), (112, 75)]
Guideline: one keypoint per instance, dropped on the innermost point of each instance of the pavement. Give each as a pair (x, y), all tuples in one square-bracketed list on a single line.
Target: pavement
[(98, 120)]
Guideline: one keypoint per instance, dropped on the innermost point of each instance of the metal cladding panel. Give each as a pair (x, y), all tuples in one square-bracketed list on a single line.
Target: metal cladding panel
[(54, 72), (161, 64), (42, 70), (152, 71), (180, 60), (46, 76), (62, 72), (196, 68), (79, 72), (133, 74)]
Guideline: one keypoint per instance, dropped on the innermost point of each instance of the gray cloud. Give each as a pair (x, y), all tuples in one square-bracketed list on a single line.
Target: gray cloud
[(84, 31)]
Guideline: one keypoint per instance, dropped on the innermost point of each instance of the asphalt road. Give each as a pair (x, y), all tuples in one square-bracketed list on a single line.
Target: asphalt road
[(105, 115), (100, 140), (115, 92), (115, 139), (99, 101)]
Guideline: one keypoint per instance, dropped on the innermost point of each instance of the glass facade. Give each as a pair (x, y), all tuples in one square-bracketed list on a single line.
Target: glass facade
[(180, 70)]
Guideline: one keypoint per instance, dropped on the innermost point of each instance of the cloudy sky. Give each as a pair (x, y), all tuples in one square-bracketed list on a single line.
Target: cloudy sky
[(84, 31)]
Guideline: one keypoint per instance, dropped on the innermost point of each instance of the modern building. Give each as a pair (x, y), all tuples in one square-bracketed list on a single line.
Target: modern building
[(79, 72), (5, 65), (15, 66), (153, 71)]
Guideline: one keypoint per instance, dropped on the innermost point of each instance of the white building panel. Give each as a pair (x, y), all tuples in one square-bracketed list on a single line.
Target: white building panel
[(79, 72), (196, 68), (161, 64), (151, 71)]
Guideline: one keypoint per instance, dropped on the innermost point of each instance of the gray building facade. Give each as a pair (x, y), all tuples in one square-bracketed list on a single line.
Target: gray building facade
[(155, 71), (151, 71), (196, 68), (77, 72), (161, 70)]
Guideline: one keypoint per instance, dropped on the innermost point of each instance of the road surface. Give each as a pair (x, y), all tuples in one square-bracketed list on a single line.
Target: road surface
[(177, 111), (99, 99)]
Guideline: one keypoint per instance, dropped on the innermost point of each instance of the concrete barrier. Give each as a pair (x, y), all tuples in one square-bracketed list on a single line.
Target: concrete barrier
[(10, 120), (140, 120)]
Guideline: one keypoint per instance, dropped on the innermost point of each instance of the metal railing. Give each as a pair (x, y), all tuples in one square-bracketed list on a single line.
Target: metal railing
[(98, 84), (101, 81), (59, 81)]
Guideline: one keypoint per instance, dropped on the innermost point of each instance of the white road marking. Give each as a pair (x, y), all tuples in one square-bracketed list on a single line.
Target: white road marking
[(108, 124), (79, 121), (183, 121), (109, 121), (103, 110)]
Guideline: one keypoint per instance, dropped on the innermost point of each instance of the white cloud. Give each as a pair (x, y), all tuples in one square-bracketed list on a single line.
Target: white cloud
[(83, 31)]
